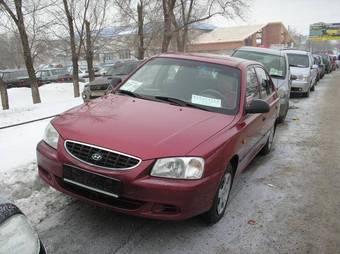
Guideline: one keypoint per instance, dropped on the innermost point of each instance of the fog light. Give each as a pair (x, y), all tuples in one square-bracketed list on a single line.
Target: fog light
[(161, 208)]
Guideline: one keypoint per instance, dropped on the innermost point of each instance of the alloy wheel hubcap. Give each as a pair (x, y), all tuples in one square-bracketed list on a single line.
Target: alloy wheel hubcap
[(223, 193)]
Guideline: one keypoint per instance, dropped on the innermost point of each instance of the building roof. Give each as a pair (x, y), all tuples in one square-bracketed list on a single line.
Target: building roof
[(228, 34)]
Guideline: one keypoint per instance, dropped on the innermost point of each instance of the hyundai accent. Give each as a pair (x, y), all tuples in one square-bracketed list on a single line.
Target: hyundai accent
[(168, 142)]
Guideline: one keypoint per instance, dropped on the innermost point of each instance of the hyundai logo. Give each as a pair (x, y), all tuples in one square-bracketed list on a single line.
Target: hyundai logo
[(96, 156)]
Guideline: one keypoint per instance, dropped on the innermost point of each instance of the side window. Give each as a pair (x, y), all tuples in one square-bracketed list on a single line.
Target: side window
[(252, 84), (265, 84)]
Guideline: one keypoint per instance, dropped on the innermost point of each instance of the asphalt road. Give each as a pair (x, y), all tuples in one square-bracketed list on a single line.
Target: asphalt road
[(285, 202)]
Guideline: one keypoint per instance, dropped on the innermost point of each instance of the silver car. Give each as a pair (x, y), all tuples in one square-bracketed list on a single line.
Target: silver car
[(276, 63), (302, 66)]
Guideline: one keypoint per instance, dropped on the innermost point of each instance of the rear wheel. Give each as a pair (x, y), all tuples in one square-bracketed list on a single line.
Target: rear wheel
[(282, 118), (219, 206), (268, 146)]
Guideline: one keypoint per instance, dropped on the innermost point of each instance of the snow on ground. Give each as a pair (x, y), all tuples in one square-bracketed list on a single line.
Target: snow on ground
[(19, 180), (55, 97)]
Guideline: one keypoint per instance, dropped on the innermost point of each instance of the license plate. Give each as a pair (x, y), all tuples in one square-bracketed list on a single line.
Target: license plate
[(91, 181)]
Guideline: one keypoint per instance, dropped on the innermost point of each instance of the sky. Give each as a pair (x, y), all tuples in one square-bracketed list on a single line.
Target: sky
[(297, 14)]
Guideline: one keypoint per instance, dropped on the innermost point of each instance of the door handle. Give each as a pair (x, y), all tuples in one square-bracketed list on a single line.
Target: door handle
[(263, 118)]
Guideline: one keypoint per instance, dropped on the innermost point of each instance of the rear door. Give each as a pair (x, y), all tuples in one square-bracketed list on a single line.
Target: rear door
[(268, 94)]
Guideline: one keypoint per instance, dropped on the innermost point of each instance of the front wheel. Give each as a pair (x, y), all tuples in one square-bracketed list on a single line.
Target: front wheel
[(306, 94), (219, 206)]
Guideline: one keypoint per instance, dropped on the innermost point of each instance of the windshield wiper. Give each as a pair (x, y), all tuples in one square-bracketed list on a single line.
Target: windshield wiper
[(274, 75), (298, 65), (132, 94), (180, 102)]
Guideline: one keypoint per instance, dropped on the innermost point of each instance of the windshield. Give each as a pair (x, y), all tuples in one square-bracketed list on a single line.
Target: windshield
[(59, 71), (275, 65), (298, 60), (211, 87), (121, 69)]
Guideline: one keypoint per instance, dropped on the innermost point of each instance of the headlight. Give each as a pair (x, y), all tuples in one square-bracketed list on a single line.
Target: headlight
[(51, 136), (179, 168), (303, 77)]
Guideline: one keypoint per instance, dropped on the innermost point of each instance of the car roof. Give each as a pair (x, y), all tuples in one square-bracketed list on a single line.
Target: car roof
[(263, 50), (210, 58), (296, 51)]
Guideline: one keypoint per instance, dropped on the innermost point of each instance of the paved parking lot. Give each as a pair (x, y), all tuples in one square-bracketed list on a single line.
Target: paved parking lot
[(286, 202)]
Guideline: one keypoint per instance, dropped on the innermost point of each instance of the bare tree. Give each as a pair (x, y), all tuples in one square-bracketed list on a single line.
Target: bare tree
[(94, 24), (168, 10), (178, 16), (143, 16), (70, 12), (4, 95), (16, 14)]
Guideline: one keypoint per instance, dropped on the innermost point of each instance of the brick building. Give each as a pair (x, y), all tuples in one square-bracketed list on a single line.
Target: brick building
[(224, 40)]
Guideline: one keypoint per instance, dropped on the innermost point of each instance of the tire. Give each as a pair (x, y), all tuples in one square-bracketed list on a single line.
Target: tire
[(281, 119), (306, 94), (269, 144), (217, 209), (313, 87)]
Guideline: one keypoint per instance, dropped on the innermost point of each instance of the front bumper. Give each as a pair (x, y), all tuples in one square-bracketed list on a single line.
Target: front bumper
[(300, 86), (141, 195)]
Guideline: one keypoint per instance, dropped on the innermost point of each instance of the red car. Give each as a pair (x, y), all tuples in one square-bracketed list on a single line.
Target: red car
[(168, 142)]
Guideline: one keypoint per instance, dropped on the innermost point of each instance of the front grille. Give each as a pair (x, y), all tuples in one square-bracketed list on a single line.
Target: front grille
[(296, 89), (99, 87), (100, 156)]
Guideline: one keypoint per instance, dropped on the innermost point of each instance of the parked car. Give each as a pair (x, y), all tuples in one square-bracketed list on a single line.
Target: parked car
[(321, 67), (17, 236), (327, 62), (333, 62), (169, 142), (302, 66), (54, 75), (338, 62), (276, 63), (115, 74), (105, 68), (83, 72), (16, 78)]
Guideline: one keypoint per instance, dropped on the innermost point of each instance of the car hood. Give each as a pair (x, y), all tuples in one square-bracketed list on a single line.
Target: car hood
[(142, 128), (299, 71), (280, 82)]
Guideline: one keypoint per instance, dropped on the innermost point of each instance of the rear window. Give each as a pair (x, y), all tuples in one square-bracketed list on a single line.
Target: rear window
[(275, 64), (297, 60)]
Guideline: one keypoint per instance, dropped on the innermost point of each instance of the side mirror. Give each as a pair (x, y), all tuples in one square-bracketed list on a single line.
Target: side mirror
[(315, 66), (115, 81), (293, 77), (257, 106)]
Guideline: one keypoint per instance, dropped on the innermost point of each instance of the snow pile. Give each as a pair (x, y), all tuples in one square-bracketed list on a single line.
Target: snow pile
[(19, 180), (55, 97)]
